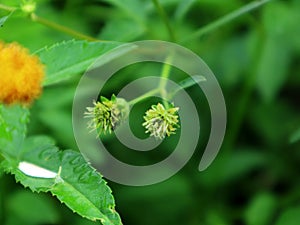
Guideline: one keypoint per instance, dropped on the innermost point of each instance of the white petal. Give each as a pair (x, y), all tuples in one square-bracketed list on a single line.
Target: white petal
[(35, 171)]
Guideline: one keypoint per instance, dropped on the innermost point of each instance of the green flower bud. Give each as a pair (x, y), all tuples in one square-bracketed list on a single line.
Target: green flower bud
[(107, 115), (161, 122)]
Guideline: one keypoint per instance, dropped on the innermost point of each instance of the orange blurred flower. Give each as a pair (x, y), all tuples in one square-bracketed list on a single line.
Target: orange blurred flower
[(21, 75)]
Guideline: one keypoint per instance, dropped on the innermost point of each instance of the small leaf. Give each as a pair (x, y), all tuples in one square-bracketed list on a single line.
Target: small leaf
[(77, 184), (295, 136), (84, 191), (261, 210), (188, 82), (66, 59)]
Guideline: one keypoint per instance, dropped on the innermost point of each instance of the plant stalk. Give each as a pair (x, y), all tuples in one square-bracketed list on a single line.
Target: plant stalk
[(165, 19), (144, 96), (61, 28), (225, 19)]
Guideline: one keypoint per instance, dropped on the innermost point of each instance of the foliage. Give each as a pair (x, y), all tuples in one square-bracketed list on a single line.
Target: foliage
[(254, 55)]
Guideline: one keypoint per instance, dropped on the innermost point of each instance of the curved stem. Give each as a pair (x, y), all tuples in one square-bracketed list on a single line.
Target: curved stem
[(164, 17), (226, 19), (61, 28)]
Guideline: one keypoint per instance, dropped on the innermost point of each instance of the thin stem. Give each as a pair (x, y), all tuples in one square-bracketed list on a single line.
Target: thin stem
[(165, 74), (144, 96), (162, 84), (164, 78), (246, 93), (61, 28), (164, 17), (226, 19), (7, 8)]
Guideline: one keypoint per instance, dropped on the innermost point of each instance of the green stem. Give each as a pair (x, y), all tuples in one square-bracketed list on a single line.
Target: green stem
[(246, 93), (7, 8), (162, 84), (164, 78), (240, 112), (226, 19), (53, 25), (144, 96), (164, 17), (61, 28)]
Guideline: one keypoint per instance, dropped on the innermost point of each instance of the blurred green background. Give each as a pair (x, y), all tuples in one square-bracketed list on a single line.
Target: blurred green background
[(255, 179)]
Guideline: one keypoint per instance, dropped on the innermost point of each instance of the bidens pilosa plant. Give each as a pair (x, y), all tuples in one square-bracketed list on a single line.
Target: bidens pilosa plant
[(37, 161)]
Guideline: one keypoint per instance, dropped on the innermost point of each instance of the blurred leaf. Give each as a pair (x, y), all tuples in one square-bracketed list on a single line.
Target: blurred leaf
[(56, 115), (295, 136), (65, 59), (121, 30), (183, 8), (76, 184), (13, 121), (241, 163), (235, 59), (188, 82), (138, 199), (276, 53), (266, 120), (214, 217), (31, 209), (261, 210), (272, 69), (227, 169), (133, 8), (290, 216)]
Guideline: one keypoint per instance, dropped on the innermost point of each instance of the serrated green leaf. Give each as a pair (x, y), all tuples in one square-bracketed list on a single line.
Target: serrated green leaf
[(84, 190), (76, 183), (66, 59)]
